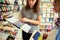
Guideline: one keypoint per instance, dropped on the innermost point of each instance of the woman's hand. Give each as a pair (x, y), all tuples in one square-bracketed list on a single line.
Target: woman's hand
[(24, 20), (36, 22)]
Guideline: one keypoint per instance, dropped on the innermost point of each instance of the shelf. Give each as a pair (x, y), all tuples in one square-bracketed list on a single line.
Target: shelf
[(45, 23), (5, 3), (46, 2), (48, 17), (6, 11)]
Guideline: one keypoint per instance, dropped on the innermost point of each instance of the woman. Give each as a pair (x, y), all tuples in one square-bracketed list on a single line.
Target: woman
[(31, 15), (58, 29), (57, 9)]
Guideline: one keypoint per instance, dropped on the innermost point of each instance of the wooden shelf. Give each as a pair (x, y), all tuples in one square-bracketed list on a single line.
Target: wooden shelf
[(46, 2)]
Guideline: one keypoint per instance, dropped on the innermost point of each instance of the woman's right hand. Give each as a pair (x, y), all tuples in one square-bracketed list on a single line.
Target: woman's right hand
[(20, 19), (24, 19)]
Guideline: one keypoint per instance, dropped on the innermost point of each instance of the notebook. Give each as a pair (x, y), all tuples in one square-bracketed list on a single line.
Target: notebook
[(15, 22), (36, 36), (18, 24), (3, 36), (25, 28), (12, 20)]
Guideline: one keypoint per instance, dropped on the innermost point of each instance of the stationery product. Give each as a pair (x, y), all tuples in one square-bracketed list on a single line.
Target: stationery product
[(42, 26), (18, 35), (10, 38), (1, 1), (49, 27), (44, 5), (44, 14), (15, 22), (51, 10), (50, 19), (9, 16), (47, 0), (48, 10), (37, 35), (4, 36), (55, 15), (52, 0), (1, 18), (42, 0), (47, 19), (48, 14), (52, 14), (11, 1), (44, 9), (43, 20), (18, 24), (12, 20), (26, 28)]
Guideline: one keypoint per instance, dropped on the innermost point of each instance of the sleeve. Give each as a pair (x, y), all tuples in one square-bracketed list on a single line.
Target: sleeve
[(22, 12), (40, 12)]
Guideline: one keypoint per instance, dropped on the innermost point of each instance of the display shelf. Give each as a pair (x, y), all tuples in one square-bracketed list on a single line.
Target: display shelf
[(6, 11), (9, 28), (48, 14), (5, 8), (46, 2), (5, 3), (9, 10)]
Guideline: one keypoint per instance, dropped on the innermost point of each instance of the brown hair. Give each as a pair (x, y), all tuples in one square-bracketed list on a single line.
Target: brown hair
[(56, 5), (35, 7)]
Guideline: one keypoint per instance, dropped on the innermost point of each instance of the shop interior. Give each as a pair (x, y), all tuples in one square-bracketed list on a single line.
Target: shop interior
[(11, 28)]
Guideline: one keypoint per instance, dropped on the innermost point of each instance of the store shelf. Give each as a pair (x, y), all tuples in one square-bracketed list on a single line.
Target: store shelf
[(48, 14), (6, 11), (46, 2), (5, 3)]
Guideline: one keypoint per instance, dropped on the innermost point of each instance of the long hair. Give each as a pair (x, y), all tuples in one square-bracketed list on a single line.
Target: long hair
[(56, 5), (35, 7)]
